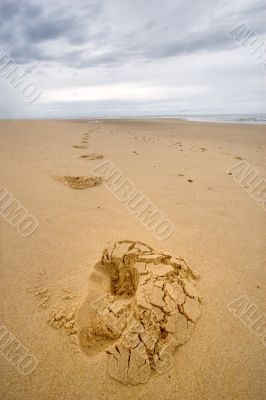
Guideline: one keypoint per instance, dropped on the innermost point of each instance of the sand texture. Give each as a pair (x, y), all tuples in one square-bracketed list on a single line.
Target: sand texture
[(179, 318)]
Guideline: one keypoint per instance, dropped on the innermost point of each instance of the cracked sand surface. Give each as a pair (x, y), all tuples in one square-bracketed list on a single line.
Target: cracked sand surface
[(149, 308)]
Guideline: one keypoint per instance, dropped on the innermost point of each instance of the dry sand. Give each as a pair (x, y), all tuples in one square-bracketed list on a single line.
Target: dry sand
[(49, 279)]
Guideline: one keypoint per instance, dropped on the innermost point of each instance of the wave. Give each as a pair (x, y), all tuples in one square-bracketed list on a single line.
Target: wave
[(259, 119)]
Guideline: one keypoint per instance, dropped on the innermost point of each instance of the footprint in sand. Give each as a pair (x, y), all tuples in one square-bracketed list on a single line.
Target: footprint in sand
[(141, 306), (80, 182), (92, 156), (81, 146)]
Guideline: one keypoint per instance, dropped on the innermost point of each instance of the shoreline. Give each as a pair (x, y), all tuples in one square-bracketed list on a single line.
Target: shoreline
[(190, 119)]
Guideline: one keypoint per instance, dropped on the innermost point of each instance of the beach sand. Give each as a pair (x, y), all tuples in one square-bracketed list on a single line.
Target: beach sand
[(46, 278)]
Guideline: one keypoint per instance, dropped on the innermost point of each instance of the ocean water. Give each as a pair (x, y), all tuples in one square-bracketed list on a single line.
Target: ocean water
[(259, 119), (228, 118)]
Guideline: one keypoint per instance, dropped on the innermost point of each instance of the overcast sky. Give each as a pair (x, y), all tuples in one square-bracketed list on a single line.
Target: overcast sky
[(132, 57)]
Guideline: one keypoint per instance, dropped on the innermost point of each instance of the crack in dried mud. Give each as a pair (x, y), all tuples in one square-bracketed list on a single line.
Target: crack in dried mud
[(150, 310)]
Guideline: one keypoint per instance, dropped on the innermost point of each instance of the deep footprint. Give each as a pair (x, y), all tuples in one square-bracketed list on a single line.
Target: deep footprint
[(141, 306)]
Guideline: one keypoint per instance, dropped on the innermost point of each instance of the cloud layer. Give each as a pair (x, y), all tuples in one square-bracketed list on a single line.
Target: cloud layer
[(170, 56)]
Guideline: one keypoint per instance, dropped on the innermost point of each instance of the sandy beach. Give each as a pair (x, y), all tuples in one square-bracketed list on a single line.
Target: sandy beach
[(48, 275)]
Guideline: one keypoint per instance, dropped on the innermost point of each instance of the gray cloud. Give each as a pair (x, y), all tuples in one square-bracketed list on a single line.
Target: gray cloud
[(124, 38), (32, 30)]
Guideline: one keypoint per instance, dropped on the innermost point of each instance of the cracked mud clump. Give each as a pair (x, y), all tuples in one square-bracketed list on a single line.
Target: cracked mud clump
[(80, 182), (147, 308)]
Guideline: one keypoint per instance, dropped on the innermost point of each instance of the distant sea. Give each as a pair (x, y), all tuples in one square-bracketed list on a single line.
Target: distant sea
[(228, 118), (259, 119)]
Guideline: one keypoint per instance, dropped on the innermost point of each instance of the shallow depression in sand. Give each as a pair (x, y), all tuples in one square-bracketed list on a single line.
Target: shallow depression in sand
[(92, 156), (80, 182), (141, 306)]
